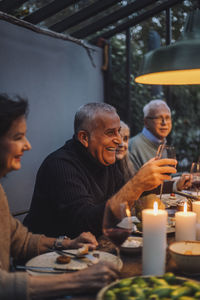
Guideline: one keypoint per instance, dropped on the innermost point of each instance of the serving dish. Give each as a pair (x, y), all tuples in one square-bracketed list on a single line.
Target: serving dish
[(132, 245), (186, 255), (49, 260), (142, 287)]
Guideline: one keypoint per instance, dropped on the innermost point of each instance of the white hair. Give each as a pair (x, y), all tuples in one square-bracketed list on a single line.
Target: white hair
[(152, 105)]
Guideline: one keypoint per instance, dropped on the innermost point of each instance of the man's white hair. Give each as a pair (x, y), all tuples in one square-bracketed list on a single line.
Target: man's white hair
[(152, 105)]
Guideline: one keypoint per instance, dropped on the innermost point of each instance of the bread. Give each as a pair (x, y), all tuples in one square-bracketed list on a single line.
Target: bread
[(83, 250), (63, 259)]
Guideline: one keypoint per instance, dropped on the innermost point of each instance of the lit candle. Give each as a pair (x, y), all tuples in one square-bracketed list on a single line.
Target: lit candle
[(185, 225), (196, 209), (154, 224)]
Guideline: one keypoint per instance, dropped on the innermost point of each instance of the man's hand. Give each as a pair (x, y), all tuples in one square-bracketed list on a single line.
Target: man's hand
[(84, 238), (184, 182), (154, 172)]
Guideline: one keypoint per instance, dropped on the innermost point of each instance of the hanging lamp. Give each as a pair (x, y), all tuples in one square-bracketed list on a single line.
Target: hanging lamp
[(178, 63)]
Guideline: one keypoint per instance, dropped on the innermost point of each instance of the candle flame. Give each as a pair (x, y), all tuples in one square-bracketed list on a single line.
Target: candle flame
[(128, 212), (185, 207), (155, 207)]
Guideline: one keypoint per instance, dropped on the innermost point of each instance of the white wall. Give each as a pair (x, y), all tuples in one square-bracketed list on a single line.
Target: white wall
[(57, 77)]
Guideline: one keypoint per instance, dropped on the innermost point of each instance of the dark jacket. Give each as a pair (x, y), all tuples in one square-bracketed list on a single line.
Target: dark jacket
[(70, 192)]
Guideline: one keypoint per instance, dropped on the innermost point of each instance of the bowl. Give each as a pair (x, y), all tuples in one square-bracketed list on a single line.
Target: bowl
[(132, 245), (186, 255)]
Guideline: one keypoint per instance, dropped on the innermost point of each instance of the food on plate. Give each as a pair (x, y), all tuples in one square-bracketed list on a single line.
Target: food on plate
[(188, 252), (63, 259), (147, 202), (132, 243), (172, 196), (83, 250), (166, 287)]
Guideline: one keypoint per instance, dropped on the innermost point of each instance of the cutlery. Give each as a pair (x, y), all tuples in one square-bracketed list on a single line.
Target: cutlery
[(187, 195), (43, 269), (90, 257)]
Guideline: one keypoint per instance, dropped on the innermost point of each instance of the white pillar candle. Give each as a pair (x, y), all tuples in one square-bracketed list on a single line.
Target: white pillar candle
[(154, 224), (198, 231), (185, 225), (196, 209)]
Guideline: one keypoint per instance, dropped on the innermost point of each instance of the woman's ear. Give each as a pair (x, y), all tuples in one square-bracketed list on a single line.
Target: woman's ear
[(83, 138)]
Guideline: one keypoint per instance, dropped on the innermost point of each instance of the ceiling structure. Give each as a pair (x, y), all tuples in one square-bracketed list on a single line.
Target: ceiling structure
[(102, 18), (95, 22)]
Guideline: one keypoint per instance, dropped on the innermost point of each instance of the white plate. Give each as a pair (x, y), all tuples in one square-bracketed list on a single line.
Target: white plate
[(171, 201), (49, 260), (133, 244)]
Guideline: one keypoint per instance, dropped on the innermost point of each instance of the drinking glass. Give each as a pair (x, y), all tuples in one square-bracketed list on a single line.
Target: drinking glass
[(117, 224), (195, 177), (165, 151)]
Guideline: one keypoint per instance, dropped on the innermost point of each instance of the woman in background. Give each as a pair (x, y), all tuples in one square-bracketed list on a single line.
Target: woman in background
[(17, 242), (122, 155)]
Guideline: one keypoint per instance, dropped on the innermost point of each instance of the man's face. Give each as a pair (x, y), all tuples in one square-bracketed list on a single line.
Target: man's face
[(159, 122), (104, 137)]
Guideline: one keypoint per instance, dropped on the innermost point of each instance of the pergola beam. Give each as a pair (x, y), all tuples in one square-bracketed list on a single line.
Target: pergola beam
[(9, 5), (83, 14), (112, 18), (48, 11), (136, 20)]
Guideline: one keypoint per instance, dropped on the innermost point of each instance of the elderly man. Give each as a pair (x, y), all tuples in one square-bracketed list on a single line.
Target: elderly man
[(157, 126), (74, 183)]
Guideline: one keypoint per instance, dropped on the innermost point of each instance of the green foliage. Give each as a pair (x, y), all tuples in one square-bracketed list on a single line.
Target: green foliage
[(185, 100)]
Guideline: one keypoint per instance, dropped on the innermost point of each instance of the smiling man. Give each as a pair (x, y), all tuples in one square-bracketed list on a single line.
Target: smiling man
[(74, 183), (157, 126)]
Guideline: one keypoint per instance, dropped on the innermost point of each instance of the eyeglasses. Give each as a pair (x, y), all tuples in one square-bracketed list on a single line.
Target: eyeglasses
[(160, 119)]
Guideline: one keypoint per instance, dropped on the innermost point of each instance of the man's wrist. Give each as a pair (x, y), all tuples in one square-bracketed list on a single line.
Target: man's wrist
[(175, 188), (58, 243)]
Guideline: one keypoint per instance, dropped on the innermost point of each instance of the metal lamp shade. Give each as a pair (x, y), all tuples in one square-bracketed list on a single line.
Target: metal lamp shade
[(176, 64)]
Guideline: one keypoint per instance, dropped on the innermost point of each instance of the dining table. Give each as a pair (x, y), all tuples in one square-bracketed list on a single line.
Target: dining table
[(132, 266), (132, 262)]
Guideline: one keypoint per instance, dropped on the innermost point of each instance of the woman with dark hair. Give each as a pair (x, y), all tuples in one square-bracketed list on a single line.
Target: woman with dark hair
[(17, 242)]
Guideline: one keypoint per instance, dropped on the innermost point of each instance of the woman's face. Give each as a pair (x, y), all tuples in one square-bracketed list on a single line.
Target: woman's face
[(12, 146), (123, 147)]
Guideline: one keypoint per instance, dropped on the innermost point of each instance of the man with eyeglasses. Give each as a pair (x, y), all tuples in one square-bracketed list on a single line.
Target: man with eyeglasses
[(157, 126)]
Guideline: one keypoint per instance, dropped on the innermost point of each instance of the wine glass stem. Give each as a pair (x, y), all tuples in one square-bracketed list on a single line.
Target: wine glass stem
[(118, 256), (161, 190)]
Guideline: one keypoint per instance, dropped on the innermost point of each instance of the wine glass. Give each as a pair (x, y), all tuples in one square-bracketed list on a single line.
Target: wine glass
[(165, 151), (117, 224), (195, 177)]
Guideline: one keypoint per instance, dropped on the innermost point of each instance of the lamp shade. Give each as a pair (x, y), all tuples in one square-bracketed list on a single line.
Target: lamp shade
[(178, 63)]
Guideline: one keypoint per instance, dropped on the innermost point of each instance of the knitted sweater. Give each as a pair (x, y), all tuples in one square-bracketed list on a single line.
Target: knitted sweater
[(141, 150), (71, 191), (15, 241)]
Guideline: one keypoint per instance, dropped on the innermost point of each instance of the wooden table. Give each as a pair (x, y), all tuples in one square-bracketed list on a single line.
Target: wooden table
[(132, 265)]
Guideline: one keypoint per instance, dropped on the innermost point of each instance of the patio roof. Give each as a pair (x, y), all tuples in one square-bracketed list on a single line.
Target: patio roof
[(103, 18)]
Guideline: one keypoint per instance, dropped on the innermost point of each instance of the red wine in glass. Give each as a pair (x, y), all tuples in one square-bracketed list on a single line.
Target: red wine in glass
[(195, 185), (117, 224), (117, 235), (195, 173)]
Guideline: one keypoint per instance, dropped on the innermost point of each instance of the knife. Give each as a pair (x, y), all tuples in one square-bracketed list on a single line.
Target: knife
[(187, 195), (90, 257), (43, 269)]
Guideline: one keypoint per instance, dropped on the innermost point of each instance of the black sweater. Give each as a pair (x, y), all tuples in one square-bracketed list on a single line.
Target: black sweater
[(70, 192)]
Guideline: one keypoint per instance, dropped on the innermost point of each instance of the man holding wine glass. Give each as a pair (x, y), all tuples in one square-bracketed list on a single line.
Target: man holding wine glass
[(75, 182), (157, 126)]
